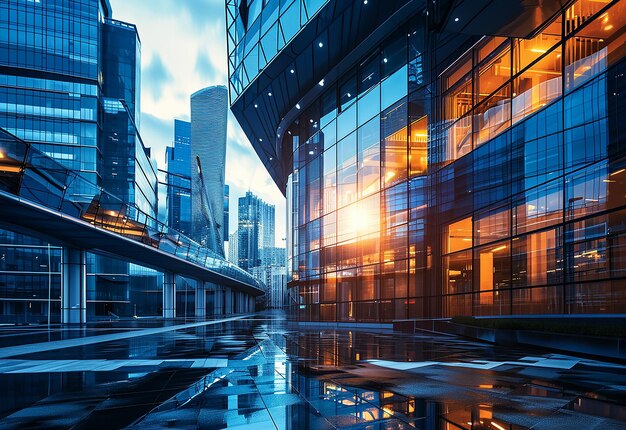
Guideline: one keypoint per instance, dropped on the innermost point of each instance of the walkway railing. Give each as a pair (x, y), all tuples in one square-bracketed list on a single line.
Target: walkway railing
[(29, 173)]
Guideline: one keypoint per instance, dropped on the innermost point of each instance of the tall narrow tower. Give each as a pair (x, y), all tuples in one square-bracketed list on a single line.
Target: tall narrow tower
[(209, 114)]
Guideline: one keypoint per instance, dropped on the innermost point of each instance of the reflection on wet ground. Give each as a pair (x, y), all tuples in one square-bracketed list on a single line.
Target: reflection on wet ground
[(262, 372)]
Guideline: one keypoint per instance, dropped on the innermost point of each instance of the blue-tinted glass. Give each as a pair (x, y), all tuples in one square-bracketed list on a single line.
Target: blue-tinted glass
[(346, 122), (394, 88), (369, 105), (346, 151), (290, 21)]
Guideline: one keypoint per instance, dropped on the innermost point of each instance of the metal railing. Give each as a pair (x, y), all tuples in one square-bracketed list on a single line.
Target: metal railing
[(30, 174)]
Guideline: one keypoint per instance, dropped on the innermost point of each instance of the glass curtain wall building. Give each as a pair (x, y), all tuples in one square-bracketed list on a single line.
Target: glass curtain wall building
[(49, 95), (69, 84), (209, 116), (440, 159), (256, 230), (179, 178)]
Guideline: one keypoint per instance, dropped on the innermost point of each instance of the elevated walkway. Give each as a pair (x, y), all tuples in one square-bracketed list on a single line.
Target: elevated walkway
[(42, 198)]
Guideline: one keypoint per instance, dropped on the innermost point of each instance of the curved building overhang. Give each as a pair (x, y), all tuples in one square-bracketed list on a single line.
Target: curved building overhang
[(341, 33), (335, 35)]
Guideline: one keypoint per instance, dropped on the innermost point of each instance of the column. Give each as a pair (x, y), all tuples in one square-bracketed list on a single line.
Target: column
[(228, 303), (240, 308), (218, 301), (74, 286), (201, 299), (169, 295)]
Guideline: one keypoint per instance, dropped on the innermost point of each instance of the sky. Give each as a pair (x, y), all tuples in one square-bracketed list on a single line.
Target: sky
[(183, 49)]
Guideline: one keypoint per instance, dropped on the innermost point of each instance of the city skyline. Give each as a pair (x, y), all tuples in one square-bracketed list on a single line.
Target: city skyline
[(166, 89), (450, 251)]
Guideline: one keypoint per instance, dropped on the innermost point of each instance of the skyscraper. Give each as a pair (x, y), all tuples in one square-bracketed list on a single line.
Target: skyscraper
[(127, 169), (209, 115), (440, 158), (226, 224), (256, 230), (233, 247), (179, 178)]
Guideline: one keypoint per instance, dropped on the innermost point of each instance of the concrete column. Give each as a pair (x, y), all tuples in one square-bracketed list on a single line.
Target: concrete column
[(218, 301), (74, 286), (201, 299), (169, 295), (240, 308), (228, 307)]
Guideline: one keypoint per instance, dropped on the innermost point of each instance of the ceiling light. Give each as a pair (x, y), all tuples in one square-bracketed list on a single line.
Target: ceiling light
[(292, 71), (384, 60), (311, 121), (269, 94), (311, 152), (297, 105), (256, 105), (364, 1), (349, 95), (321, 45), (322, 83), (260, 140), (456, 19)]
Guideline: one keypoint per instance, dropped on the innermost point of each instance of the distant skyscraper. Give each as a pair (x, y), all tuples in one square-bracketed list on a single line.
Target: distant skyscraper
[(272, 256), (209, 114), (179, 178), (226, 212), (233, 247), (256, 230), (274, 281)]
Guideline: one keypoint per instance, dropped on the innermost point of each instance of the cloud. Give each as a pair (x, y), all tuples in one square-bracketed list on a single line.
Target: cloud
[(203, 12), (183, 48), (204, 66), (155, 77)]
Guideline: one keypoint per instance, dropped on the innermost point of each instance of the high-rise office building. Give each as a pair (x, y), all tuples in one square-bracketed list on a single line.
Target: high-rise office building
[(226, 224), (256, 230), (179, 178), (73, 91), (209, 115), (440, 158), (127, 169), (233, 247)]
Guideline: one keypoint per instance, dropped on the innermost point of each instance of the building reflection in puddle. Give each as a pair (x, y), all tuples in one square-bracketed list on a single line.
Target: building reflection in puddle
[(278, 376)]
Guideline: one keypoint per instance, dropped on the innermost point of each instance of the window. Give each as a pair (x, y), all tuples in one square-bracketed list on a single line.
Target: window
[(394, 144), (596, 44), (458, 235), (538, 85)]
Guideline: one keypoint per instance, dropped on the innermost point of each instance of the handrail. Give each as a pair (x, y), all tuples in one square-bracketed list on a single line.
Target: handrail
[(28, 173)]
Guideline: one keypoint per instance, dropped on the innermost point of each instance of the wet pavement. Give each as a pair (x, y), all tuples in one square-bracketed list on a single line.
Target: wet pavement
[(261, 372)]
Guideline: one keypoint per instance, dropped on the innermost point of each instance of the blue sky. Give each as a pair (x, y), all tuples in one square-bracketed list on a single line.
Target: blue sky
[(183, 49)]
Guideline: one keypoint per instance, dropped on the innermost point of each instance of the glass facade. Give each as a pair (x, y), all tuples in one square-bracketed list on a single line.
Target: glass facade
[(258, 30), (482, 179), (49, 95), (179, 178), (256, 230), (209, 118)]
